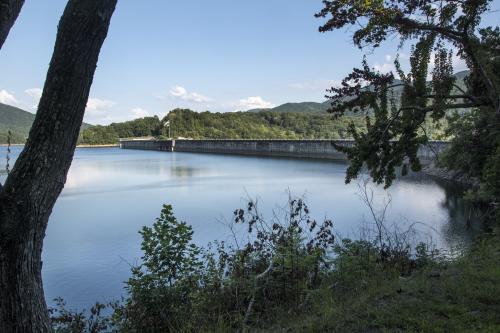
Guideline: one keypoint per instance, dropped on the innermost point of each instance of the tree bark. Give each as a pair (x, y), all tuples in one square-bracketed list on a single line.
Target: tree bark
[(38, 176), (9, 11)]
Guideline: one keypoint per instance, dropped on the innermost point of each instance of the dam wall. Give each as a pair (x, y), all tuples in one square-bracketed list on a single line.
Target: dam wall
[(317, 149), (281, 148), (163, 145)]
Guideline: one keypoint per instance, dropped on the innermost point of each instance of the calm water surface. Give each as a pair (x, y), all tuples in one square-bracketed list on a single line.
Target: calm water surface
[(92, 236)]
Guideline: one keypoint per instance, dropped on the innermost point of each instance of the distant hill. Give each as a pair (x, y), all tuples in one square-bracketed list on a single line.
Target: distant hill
[(309, 107), (18, 122)]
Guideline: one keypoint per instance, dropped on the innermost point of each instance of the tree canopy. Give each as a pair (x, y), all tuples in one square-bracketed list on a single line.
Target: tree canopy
[(435, 29)]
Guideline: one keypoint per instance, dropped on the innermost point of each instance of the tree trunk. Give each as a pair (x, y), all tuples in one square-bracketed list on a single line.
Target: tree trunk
[(9, 10), (39, 174)]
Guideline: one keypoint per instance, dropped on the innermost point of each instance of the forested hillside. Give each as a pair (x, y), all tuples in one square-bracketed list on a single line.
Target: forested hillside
[(232, 125), (148, 126), (298, 107), (18, 122)]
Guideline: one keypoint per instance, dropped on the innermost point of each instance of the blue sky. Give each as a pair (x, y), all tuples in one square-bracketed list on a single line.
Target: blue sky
[(221, 55)]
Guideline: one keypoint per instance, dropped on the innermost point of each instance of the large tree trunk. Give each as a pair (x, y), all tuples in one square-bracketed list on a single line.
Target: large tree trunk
[(9, 10), (39, 174)]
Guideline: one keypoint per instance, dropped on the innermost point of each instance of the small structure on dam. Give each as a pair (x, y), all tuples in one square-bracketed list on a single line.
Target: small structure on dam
[(318, 149)]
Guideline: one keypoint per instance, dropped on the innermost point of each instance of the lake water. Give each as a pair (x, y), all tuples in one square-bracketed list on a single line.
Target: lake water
[(92, 236)]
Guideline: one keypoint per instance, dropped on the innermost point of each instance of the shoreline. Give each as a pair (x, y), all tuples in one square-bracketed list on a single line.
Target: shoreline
[(451, 176), (78, 146), (112, 145)]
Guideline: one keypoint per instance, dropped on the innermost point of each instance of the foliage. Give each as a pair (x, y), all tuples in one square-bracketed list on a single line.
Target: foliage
[(161, 287), (142, 127), (67, 321), (395, 133), (459, 295), (231, 125), (255, 125), (181, 286), (474, 141)]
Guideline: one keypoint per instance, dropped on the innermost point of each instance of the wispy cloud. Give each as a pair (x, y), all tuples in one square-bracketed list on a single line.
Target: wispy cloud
[(182, 93), (7, 98), (35, 93), (94, 104), (97, 111)]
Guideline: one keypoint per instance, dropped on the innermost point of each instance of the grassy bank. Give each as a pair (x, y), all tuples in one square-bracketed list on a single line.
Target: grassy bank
[(461, 295)]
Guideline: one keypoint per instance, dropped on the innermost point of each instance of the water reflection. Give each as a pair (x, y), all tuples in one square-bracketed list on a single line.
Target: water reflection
[(111, 193)]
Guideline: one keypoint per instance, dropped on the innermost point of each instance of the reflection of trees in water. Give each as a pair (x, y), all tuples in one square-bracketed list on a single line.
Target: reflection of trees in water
[(184, 171), (465, 220)]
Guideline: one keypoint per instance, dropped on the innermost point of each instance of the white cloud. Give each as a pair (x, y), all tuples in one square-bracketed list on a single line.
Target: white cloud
[(178, 91), (35, 93), (182, 93), (7, 98), (388, 64), (96, 104), (254, 102), (139, 113)]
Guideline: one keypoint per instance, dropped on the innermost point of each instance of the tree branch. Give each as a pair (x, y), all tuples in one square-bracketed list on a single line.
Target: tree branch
[(406, 22), (462, 39), (254, 292), (472, 98), (426, 110), (449, 106)]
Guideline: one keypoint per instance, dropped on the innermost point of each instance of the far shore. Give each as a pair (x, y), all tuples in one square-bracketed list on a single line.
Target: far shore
[(114, 145)]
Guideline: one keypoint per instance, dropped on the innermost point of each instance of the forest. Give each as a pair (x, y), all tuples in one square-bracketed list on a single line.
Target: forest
[(235, 125)]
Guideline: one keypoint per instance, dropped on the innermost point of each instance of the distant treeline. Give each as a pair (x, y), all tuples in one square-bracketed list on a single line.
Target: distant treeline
[(234, 125), (95, 135)]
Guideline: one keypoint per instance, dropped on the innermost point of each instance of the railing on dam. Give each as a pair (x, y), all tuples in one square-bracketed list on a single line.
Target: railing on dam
[(322, 149)]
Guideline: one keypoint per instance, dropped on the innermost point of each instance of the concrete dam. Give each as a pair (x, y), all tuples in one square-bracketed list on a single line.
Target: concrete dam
[(317, 149)]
